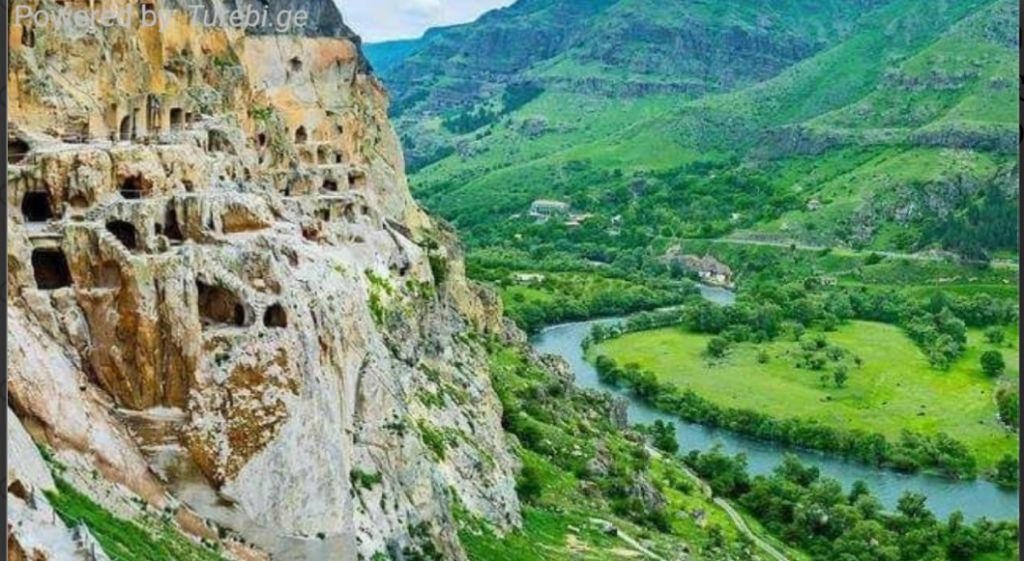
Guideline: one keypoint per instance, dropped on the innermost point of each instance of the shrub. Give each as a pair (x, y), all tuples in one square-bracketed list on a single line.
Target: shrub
[(992, 363), (716, 347), (529, 484)]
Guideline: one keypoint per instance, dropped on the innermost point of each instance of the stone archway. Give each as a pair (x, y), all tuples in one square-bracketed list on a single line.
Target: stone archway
[(126, 130), (36, 206), (50, 268)]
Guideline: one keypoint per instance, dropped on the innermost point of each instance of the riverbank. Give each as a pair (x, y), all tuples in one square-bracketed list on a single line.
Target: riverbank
[(977, 498), (892, 380)]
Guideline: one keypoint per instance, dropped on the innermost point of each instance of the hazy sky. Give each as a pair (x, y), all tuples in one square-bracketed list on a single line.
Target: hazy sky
[(381, 20)]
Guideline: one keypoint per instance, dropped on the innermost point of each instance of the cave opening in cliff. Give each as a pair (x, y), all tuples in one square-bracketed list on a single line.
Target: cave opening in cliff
[(17, 150), (261, 139), (132, 187), (172, 229), (330, 185), (295, 64), (275, 316), (177, 118), (50, 268), (125, 130), (124, 232), (337, 158), (219, 306), (28, 36), (78, 200), (217, 141), (301, 135), (36, 206), (357, 179)]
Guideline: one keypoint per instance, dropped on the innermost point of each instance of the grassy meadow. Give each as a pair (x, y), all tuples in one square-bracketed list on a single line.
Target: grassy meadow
[(894, 389)]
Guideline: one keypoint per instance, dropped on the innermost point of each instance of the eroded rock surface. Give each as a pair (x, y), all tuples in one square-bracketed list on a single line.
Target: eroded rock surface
[(218, 222)]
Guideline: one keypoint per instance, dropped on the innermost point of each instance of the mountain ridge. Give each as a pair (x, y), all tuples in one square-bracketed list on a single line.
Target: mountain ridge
[(914, 72)]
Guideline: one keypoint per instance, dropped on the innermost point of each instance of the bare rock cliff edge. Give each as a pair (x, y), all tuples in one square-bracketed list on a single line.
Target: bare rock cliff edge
[(210, 229)]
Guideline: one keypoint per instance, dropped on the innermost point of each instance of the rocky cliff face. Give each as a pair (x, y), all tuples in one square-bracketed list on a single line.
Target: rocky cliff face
[(212, 228)]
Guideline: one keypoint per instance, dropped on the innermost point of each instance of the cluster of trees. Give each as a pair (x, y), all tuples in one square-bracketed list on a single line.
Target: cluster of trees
[(514, 97), (468, 121), (1008, 401), (564, 296), (989, 223), (532, 315), (817, 353), (941, 334), (813, 512), (637, 322), (912, 452)]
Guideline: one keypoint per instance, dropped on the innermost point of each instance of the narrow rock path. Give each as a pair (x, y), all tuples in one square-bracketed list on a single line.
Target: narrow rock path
[(737, 520), (628, 539)]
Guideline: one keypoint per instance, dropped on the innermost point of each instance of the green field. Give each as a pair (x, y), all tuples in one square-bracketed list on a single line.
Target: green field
[(894, 389)]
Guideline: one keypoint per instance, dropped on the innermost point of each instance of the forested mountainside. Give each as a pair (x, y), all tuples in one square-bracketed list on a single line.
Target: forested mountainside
[(888, 125), (234, 335)]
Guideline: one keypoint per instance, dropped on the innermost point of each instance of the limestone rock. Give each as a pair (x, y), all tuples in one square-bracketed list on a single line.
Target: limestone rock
[(228, 232)]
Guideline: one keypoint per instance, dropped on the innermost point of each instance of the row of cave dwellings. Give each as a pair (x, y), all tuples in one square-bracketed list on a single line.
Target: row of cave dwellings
[(218, 306), (133, 127)]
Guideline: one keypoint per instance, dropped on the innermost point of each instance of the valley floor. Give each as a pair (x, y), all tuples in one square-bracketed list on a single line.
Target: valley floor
[(894, 389)]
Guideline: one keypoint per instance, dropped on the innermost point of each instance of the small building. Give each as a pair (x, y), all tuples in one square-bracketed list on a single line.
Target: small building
[(708, 269), (813, 205), (545, 208), (528, 278), (576, 219)]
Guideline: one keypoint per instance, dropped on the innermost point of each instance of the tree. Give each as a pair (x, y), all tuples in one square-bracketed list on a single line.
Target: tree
[(1007, 471), (607, 371), (663, 435), (840, 375), (995, 335), (992, 363), (716, 347), (912, 506), (961, 543)]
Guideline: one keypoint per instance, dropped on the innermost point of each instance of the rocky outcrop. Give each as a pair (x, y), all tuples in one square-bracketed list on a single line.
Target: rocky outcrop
[(217, 222)]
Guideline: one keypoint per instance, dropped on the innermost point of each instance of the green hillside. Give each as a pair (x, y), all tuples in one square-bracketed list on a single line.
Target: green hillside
[(389, 53), (880, 125)]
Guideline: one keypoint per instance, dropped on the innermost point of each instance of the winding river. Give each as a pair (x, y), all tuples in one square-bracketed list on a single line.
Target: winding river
[(975, 498)]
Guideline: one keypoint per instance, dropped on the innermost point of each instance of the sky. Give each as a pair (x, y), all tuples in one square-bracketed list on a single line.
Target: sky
[(384, 20)]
